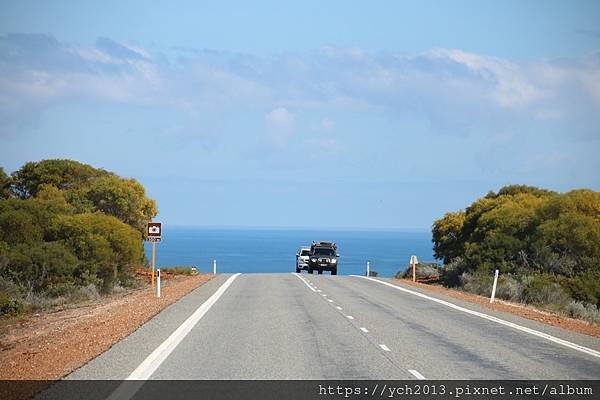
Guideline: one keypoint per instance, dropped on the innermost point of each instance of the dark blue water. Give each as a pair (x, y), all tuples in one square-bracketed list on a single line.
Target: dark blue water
[(261, 250)]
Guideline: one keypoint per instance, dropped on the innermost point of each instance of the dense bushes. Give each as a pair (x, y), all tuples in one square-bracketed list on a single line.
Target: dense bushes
[(67, 230), (544, 243)]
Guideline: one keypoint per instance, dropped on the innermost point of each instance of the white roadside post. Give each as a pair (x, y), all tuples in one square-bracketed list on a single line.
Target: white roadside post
[(158, 283), (214, 267), (494, 286), (368, 268)]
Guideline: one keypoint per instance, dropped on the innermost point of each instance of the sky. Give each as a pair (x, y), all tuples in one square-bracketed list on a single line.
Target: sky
[(338, 114)]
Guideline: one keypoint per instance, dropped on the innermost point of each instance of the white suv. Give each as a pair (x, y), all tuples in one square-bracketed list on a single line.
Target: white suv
[(302, 258)]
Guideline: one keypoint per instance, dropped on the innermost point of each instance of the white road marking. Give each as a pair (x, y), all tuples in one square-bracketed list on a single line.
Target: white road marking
[(417, 374), (384, 347), (319, 290), (349, 317), (329, 300), (324, 295), (145, 370), (302, 279), (365, 330), (338, 307), (500, 321)]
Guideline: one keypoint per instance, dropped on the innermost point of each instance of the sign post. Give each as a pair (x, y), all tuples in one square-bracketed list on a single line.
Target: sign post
[(414, 262), (154, 234)]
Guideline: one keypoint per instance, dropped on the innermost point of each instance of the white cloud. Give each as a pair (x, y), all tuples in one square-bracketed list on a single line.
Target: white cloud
[(453, 89), (327, 124), (280, 119)]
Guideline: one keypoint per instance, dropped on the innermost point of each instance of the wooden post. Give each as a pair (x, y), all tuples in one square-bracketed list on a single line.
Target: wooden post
[(153, 261)]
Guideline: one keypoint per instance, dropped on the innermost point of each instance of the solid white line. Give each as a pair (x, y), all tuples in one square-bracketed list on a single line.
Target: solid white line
[(302, 279), (349, 317), (417, 374), (365, 330), (153, 361), (543, 335), (145, 370), (338, 307), (384, 347)]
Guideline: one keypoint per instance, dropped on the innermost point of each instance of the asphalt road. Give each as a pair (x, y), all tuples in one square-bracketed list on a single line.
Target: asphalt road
[(290, 326)]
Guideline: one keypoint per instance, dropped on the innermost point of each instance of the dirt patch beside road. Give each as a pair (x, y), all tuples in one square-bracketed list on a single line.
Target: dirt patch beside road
[(521, 310), (48, 346)]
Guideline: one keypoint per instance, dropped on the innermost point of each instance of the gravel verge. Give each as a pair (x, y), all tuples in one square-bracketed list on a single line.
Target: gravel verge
[(50, 345)]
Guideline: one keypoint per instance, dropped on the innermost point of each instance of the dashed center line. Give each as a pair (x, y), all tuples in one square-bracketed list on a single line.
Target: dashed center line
[(417, 374), (303, 280), (384, 347), (329, 300), (349, 317), (365, 330), (338, 307)]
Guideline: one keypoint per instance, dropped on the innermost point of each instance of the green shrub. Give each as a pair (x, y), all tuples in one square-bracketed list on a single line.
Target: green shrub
[(477, 282), (544, 290), (10, 306), (580, 310), (584, 288), (177, 270), (509, 288), (62, 289), (451, 272)]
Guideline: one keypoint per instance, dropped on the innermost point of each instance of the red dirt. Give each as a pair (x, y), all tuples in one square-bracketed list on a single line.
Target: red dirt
[(49, 345)]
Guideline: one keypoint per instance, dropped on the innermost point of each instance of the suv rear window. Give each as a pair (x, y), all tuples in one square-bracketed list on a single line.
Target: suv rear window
[(304, 252), (324, 252)]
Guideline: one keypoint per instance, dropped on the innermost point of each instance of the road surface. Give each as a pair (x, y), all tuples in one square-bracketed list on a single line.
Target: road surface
[(299, 326)]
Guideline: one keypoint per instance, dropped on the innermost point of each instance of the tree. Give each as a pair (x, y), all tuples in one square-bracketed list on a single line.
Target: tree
[(448, 242), (105, 246), (62, 174), (123, 198), (5, 182)]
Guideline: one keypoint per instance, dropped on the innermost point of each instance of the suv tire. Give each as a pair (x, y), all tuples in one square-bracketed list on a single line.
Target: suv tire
[(334, 271)]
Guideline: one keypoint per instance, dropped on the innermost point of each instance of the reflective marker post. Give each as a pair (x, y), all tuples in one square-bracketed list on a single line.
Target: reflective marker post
[(214, 267), (368, 268), (158, 283), (494, 286)]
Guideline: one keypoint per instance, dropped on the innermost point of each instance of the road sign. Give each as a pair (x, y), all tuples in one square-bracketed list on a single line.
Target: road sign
[(154, 231), (413, 263)]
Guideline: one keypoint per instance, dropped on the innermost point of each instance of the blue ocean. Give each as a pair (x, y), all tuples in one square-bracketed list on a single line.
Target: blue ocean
[(273, 250)]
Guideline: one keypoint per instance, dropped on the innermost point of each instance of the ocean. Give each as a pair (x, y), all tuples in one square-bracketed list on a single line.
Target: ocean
[(273, 250)]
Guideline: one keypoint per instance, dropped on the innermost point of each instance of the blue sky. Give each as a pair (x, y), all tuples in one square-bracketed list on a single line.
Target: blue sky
[(348, 114)]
